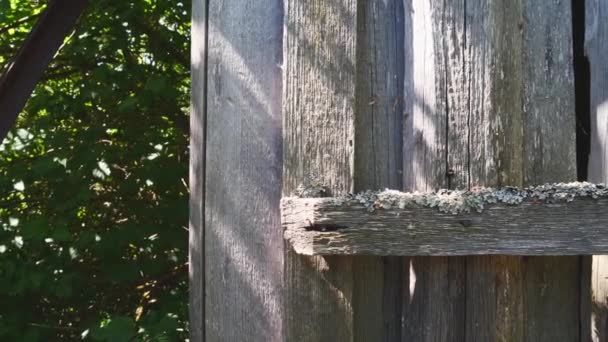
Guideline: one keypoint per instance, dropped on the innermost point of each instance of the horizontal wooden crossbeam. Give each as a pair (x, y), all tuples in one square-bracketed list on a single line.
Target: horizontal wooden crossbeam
[(552, 219)]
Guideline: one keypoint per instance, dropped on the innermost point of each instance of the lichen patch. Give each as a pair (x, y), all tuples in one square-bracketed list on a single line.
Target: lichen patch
[(466, 201)]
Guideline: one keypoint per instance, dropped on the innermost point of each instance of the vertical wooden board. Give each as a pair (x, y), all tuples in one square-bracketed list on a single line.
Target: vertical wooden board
[(479, 59), (379, 95), (535, 145), (493, 61), (243, 240), (596, 47), (425, 153), (586, 307), (318, 136), (198, 111), (453, 57), (596, 50), (378, 159), (548, 75), (553, 298), (599, 284), (552, 284), (492, 87), (319, 93), (433, 300), (433, 306), (531, 67), (494, 299)]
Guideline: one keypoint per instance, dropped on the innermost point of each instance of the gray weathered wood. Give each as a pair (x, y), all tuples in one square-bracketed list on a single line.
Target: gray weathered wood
[(196, 270), (599, 308), (378, 159), (433, 302), (552, 285), (494, 60), (243, 257), (318, 143), (596, 46), (596, 50), (489, 103), (530, 228)]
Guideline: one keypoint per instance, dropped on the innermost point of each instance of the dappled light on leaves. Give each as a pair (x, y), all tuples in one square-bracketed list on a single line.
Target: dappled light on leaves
[(92, 179)]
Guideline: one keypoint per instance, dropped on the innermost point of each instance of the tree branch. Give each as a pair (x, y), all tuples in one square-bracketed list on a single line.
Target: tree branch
[(43, 42), (18, 22)]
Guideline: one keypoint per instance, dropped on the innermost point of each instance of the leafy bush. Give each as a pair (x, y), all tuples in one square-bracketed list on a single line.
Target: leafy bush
[(93, 243)]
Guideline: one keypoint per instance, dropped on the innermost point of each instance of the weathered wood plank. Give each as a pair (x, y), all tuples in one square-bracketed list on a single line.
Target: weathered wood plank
[(520, 53), (378, 159), (552, 297), (318, 144), (596, 46), (596, 50), (494, 59), (599, 284), (530, 228), (424, 109), (433, 302), (586, 307), (552, 284), (434, 282), (242, 245), (198, 112), (482, 115)]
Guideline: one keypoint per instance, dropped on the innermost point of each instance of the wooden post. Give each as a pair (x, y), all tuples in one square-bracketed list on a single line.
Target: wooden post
[(489, 102), (596, 50), (237, 247), (196, 257)]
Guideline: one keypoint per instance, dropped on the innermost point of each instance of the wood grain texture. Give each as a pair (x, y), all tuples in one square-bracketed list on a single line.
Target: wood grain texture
[(596, 46), (433, 301), (522, 50), (596, 50), (530, 228), (378, 159), (599, 285), (491, 101), (552, 285), (318, 138), (242, 244), (198, 113), (495, 285)]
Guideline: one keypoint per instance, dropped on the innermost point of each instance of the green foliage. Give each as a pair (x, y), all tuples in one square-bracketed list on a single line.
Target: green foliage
[(94, 210)]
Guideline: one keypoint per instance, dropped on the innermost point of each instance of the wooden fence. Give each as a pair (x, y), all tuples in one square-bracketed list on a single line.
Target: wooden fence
[(413, 95)]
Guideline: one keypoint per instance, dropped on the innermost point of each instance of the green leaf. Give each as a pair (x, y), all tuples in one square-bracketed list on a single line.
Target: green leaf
[(35, 228), (110, 95), (127, 106), (61, 234), (156, 84), (117, 329)]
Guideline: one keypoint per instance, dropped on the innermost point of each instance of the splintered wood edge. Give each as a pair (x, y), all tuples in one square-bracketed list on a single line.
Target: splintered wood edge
[(348, 226)]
